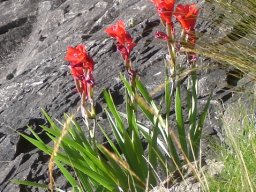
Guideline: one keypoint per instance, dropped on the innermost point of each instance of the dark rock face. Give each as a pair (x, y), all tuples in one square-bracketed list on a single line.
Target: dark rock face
[(34, 35)]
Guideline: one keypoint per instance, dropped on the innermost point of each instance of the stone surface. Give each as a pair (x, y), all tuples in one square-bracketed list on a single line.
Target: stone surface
[(34, 35), (189, 182)]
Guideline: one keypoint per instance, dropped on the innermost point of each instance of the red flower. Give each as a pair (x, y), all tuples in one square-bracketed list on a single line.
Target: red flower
[(165, 9), (125, 42), (118, 32), (187, 16), (78, 56), (81, 66)]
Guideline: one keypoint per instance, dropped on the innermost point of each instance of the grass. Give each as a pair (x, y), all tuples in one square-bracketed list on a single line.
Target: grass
[(238, 151)]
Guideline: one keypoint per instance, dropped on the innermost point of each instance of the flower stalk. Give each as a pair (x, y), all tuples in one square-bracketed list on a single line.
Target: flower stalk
[(82, 66), (125, 45), (171, 50), (186, 15)]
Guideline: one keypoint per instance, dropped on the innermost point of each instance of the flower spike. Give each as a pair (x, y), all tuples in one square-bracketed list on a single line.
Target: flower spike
[(81, 66)]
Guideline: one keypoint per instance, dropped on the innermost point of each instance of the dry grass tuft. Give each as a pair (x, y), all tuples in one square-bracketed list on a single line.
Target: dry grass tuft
[(55, 151)]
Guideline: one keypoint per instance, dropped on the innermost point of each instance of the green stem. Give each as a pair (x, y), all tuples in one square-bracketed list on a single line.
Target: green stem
[(192, 90), (171, 50)]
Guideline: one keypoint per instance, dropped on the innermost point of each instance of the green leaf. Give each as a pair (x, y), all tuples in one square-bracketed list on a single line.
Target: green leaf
[(118, 171), (168, 94), (92, 160), (110, 141), (198, 131), (129, 111), (180, 121), (127, 85), (85, 182), (146, 134), (42, 146), (173, 151), (137, 141), (192, 105), (146, 109), (152, 158), (143, 90), (53, 125), (132, 159), (133, 130), (66, 174), (113, 110), (29, 183), (54, 132), (80, 133), (122, 163), (102, 179), (118, 135), (35, 134)]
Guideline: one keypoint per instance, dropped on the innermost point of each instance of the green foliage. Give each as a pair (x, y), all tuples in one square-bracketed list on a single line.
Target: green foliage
[(123, 166), (239, 151)]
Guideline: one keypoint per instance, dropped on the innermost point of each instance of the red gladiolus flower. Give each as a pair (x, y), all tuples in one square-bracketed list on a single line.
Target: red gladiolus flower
[(125, 42), (165, 9), (81, 66), (187, 16), (78, 56), (118, 32)]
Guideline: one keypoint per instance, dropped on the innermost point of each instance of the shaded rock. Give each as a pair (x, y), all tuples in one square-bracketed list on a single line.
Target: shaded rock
[(8, 147)]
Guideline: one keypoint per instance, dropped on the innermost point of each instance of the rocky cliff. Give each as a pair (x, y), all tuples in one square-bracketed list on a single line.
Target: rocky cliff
[(34, 35)]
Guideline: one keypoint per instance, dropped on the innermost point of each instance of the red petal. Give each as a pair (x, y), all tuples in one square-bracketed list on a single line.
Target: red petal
[(123, 51), (187, 16), (75, 55), (161, 35), (77, 72), (130, 47)]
